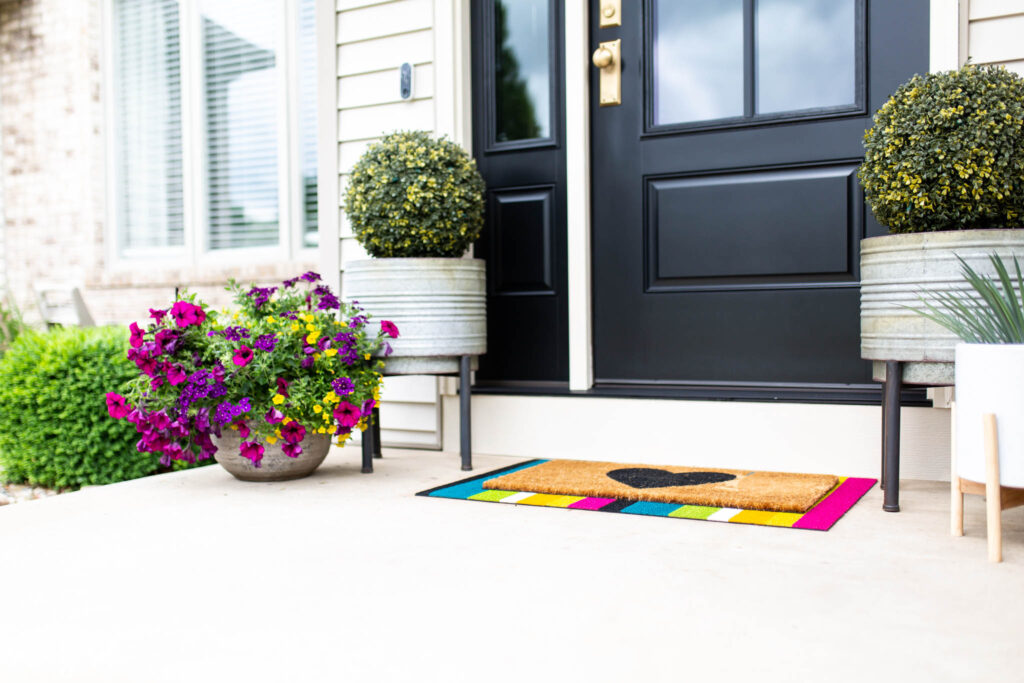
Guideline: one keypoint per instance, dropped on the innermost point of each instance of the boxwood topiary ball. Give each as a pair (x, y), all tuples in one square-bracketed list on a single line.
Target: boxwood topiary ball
[(414, 195), (946, 152)]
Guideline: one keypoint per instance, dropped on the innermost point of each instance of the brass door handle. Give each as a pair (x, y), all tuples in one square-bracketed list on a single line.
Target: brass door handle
[(603, 57), (607, 59)]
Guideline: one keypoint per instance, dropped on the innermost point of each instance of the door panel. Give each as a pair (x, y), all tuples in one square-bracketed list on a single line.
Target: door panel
[(726, 211)]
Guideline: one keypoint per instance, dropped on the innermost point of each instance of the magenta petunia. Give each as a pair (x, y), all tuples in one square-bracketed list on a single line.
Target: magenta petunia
[(251, 450), (117, 406), (185, 314), (282, 386), (293, 432), (243, 429), (389, 328), (347, 414), (157, 314), (242, 356), (138, 336), (175, 374), (292, 450), (273, 416)]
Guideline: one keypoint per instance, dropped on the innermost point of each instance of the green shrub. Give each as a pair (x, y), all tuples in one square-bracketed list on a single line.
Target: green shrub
[(414, 195), (54, 426), (946, 152)]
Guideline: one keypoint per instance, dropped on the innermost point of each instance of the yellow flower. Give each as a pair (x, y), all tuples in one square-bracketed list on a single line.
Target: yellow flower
[(342, 323), (331, 397), (310, 328), (317, 408), (286, 420), (321, 431), (316, 356), (308, 318), (271, 440), (270, 320), (277, 400), (331, 353), (312, 336), (367, 356), (295, 327)]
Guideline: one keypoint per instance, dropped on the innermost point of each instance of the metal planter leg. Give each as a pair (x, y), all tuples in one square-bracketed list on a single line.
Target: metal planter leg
[(891, 428), (465, 444), (370, 446)]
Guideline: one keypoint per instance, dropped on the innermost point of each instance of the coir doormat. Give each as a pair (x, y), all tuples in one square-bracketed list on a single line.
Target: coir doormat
[(831, 504)]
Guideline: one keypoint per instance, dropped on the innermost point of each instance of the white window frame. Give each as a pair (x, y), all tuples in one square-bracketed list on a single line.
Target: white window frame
[(196, 253)]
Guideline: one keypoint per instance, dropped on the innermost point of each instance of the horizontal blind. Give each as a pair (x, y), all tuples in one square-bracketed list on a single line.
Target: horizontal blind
[(241, 95), (147, 117), (307, 82)]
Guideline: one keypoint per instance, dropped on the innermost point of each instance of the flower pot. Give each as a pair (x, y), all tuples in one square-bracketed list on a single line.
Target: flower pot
[(896, 270), (438, 304), (990, 379), (275, 466)]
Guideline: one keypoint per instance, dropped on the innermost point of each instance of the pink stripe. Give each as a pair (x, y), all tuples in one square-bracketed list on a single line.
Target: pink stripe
[(826, 513), (592, 503)]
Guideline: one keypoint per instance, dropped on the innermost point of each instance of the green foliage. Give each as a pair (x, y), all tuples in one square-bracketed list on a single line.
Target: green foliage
[(54, 429), (946, 152), (414, 195), (11, 325), (995, 315)]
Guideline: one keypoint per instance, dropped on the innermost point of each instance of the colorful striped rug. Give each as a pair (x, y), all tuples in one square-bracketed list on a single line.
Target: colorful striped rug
[(825, 513)]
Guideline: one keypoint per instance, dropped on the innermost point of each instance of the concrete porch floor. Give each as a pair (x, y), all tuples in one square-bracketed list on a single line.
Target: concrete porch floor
[(194, 576)]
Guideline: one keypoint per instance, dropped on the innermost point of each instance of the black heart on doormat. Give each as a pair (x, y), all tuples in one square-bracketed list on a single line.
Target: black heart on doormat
[(650, 478)]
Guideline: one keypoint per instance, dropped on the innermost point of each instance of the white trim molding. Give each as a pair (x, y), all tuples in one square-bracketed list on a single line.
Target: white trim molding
[(946, 24), (577, 153), (328, 197)]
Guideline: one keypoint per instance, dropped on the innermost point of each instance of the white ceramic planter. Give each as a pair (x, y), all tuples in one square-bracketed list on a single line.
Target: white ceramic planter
[(438, 304), (896, 269), (275, 466), (990, 379)]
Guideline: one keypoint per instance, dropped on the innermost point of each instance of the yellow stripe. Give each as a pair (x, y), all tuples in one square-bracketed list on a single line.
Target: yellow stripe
[(548, 500)]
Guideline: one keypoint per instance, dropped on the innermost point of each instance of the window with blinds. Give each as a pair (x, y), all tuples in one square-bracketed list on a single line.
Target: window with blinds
[(147, 112), (240, 61)]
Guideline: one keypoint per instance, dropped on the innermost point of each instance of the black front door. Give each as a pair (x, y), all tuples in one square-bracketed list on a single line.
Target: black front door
[(726, 209)]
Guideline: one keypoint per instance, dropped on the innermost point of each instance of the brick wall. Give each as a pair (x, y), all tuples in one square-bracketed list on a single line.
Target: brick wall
[(52, 158), (52, 171)]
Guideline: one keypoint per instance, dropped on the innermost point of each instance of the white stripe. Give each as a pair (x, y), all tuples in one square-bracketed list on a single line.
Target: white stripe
[(725, 514), (516, 497)]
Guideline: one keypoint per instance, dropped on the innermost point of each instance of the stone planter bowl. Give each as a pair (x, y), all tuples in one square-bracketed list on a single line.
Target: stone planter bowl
[(438, 304), (896, 270), (275, 466)]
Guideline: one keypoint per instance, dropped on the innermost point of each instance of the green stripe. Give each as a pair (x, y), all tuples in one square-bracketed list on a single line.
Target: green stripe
[(694, 512), (493, 496)]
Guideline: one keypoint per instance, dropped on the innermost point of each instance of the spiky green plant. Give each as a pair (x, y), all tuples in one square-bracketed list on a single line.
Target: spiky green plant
[(995, 316)]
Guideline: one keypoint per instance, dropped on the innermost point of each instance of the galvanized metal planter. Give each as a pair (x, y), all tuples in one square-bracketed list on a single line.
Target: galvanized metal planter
[(275, 466), (896, 270), (438, 304)]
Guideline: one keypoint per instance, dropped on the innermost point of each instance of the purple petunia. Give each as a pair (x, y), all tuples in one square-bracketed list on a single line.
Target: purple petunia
[(290, 282), (226, 412), (310, 276), (265, 342), (261, 295), (343, 386)]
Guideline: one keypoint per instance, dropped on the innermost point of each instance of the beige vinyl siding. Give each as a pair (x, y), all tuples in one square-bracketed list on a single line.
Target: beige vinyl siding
[(995, 33), (374, 38)]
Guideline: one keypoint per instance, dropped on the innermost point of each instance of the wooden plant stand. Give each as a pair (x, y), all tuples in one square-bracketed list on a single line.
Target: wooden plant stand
[(997, 497)]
